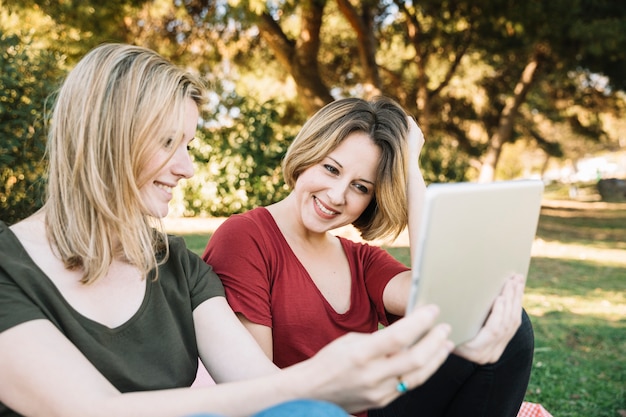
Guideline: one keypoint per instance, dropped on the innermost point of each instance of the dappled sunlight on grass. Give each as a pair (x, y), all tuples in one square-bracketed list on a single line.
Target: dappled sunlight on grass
[(606, 305), (576, 299), (542, 248), (597, 224), (575, 296), (574, 276), (578, 368), (578, 286)]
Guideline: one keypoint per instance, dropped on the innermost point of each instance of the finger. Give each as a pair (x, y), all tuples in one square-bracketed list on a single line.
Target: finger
[(416, 136), (520, 282), (411, 367), (402, 333), (426, 356), (508, 303), (486, 344), (501, 324), (513, 297), (415, 363), (376, 360)]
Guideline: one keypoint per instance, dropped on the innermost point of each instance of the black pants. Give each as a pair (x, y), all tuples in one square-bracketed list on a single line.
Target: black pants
[(463, 388)]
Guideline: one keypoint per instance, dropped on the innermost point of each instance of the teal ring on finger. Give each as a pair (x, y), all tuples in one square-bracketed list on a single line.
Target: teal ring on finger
[(401, 387)]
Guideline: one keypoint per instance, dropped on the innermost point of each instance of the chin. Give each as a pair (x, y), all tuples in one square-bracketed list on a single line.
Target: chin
[(158, 213), (161, 214)]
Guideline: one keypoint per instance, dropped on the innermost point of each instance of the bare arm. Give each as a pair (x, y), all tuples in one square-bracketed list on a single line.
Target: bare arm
[(357, 371), (224, 340), (262, 334), (416, 184), (396, 292), (43, 374), (505, 316)]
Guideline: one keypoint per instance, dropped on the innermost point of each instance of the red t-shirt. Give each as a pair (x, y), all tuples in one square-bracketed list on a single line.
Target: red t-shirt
[(266, 283)]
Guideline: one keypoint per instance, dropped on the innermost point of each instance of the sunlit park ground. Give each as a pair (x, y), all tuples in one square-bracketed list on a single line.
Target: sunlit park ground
[(575, 296)]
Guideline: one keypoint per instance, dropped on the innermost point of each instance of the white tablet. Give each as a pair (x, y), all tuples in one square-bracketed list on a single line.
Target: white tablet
[(473, 237)]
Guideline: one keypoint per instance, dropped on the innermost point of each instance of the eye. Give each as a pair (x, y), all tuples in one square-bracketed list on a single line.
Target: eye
[(331, 169), (189, 143), (362, 188), (169, 142)]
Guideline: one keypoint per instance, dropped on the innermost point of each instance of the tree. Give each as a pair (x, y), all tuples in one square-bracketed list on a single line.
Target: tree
[(423, 54), (480, 76), (26, 80), (241, 159), (39, 41), (73, 27)]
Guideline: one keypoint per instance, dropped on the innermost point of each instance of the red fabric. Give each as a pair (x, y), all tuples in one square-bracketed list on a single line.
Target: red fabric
[(532, 410), (265, 282)]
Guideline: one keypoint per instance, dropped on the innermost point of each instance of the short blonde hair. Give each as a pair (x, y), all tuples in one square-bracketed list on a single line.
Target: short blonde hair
[(385, 121), (109, 119)]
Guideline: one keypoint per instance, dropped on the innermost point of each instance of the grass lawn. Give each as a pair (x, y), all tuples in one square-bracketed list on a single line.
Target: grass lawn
[(576, 298)]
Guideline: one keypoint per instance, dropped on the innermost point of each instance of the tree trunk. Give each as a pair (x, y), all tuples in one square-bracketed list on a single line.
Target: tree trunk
[(508, 115), (363, 26), (299, 56)]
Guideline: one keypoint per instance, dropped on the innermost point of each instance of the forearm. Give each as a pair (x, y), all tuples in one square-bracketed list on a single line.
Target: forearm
[(242, 398), (416, 186), (356, 372), (45, 375), (395, 296)]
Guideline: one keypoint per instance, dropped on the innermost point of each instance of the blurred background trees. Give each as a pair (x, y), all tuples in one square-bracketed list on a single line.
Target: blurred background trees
[(27, 75), (500, 88)]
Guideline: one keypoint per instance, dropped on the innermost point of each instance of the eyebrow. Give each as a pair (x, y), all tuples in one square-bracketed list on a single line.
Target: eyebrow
[(341, 166)]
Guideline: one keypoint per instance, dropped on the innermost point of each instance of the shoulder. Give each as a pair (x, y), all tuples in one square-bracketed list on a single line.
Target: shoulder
[(181, 256), (12, 252), (256, 218), (24, 245), (5, 233), (182, 262), (249, 228), (176, 244), (30, 232)]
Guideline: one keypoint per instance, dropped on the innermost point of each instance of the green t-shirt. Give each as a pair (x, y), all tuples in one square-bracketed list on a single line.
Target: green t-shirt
[(155, 349)]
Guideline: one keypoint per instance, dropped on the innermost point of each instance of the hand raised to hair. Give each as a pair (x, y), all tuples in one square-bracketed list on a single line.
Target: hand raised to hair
[(416, 138), (362, 371), (503, 321)]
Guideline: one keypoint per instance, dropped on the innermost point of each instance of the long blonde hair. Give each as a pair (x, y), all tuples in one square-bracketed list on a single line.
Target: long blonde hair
[(109, 119), (385, 122)]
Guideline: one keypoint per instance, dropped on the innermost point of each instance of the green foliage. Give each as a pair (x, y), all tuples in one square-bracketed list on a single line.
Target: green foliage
[(454, 65), (26, 80), (441, 160), (238, 158), (76, 26)]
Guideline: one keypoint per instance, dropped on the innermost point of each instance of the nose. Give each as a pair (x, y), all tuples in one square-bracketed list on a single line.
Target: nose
[(182, 163), (337, 193)]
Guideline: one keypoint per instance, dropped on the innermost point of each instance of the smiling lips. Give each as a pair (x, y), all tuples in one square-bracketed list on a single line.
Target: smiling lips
[(164, 187), (323, 208)]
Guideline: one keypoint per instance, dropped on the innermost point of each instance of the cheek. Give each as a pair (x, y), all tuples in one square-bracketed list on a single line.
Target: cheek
[(306, 180), (363, 202), (151, 169)]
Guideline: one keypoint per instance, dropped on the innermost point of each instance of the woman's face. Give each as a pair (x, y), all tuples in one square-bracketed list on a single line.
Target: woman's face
[(334, 192), (157, 191)]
